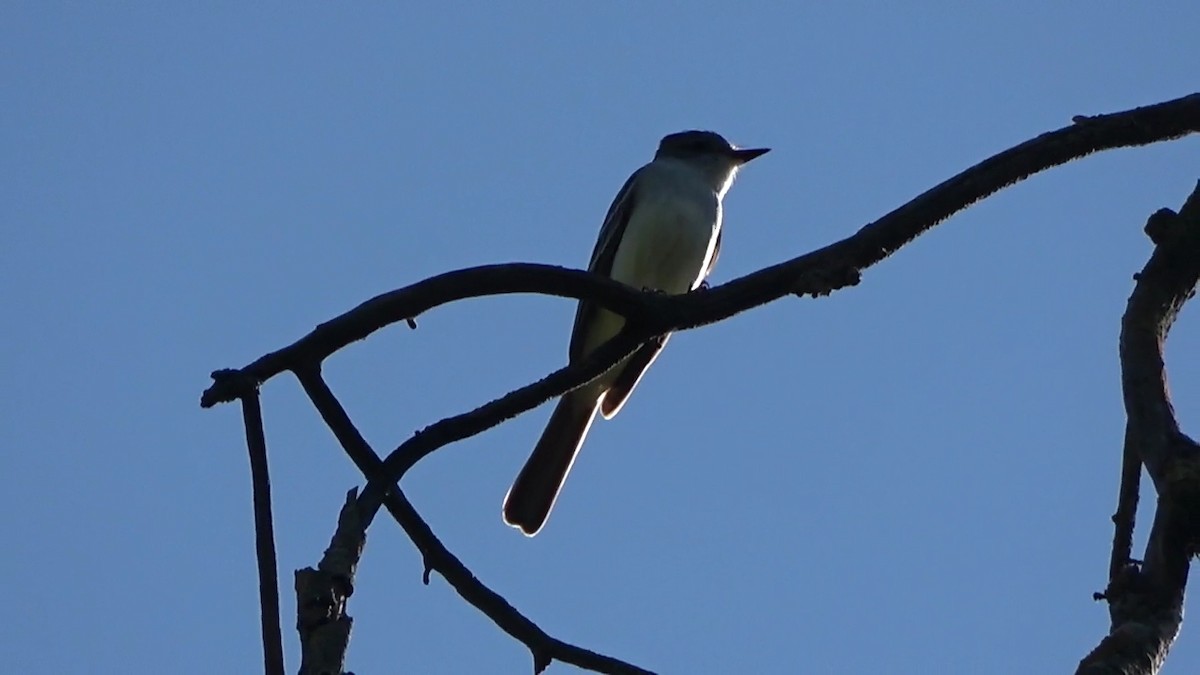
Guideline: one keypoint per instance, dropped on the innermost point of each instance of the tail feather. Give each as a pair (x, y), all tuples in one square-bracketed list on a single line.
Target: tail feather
[(536, 488)]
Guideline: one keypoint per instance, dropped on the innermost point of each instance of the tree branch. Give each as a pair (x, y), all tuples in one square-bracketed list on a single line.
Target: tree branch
[(456, 428), (1146, 600), (435, 555), (264, 530), (816, 273)]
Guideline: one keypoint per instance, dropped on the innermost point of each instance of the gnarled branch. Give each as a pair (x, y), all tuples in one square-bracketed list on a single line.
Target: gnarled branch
[(1146, 599)]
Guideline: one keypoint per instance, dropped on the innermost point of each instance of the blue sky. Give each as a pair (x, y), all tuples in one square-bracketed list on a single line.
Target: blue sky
[(913, 475)]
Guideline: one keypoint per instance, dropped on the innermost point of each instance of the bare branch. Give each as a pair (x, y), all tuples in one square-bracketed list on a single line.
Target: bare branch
[(488, 415), (816, 273), (1146, 600)]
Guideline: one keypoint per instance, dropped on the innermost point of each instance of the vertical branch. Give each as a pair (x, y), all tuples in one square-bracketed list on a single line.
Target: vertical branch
[(1127, 502), (264, 532), (322, 595)]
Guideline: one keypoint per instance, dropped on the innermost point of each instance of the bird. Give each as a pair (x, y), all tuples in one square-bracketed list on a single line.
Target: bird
[(662, 233)]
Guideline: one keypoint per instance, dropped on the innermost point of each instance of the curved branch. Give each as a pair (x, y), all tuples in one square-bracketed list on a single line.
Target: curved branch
[(404, 304), (1146, 600), (456, 428), (816, 273), (1164, 285)]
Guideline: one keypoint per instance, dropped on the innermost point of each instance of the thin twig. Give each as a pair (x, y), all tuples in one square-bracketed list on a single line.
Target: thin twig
[(1125, 518), (488, 415)]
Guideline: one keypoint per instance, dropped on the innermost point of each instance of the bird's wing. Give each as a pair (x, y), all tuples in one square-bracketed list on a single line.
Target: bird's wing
[(629, 376), (602, 258)]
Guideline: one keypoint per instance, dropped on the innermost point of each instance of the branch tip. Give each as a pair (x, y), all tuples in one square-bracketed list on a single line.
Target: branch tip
[(229, 384)]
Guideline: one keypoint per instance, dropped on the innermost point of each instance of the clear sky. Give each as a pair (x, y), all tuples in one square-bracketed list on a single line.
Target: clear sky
[(912, 476)]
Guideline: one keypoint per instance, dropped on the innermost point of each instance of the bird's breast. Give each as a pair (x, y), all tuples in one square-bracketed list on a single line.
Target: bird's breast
[(668, 241)]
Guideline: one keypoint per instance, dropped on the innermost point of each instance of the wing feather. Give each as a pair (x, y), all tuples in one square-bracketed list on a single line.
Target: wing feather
[(602, 258)]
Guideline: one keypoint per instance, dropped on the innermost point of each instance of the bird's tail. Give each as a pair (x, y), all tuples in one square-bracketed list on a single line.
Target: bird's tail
[(533, 493)]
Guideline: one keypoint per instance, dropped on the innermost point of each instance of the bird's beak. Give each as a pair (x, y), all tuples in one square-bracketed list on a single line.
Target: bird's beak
[(743, 155)]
